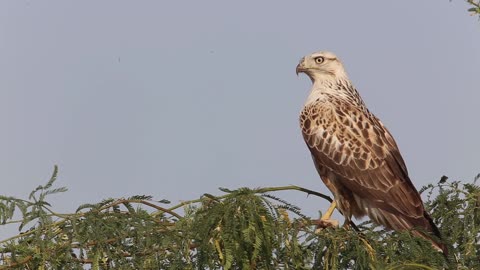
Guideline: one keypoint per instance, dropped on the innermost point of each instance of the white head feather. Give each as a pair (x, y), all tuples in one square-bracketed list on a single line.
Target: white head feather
[(322, 66), (325, 70)]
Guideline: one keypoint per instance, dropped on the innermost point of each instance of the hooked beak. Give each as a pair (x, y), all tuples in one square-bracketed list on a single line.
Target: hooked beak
[(300, 67)]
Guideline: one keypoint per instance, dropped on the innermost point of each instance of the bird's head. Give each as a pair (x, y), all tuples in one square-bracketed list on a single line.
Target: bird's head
[(321, 66)]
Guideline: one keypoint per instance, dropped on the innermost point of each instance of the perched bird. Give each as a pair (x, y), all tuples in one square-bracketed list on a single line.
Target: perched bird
[(356, 156)]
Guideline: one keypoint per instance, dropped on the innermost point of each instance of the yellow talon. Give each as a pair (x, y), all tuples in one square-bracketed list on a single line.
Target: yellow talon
[(325, 220)]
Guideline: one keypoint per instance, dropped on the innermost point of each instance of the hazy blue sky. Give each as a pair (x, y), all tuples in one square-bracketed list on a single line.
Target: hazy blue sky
[(175, 99)]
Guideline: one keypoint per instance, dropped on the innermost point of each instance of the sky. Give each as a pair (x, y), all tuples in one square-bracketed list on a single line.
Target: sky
[(177, 98)]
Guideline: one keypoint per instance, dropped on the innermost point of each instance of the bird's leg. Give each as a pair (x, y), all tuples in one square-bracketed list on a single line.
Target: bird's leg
[(329, 211), (326, 221)]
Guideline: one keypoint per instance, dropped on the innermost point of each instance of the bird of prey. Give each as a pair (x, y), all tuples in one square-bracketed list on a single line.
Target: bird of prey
[(356, 156)]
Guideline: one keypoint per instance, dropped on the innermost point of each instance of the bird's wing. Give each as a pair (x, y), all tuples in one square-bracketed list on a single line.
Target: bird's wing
[(355, 145)]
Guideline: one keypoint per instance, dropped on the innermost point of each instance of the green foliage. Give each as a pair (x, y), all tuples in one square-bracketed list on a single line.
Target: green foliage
[(241, 229), (474, 7), (456, 209)]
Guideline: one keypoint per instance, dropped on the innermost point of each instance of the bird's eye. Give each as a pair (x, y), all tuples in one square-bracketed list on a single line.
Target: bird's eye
[(319, 60)]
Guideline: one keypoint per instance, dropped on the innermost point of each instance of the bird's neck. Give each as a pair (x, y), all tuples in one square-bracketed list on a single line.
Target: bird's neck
[(338, 88)]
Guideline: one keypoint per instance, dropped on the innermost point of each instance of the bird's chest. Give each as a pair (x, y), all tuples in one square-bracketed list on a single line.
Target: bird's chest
[(316, 117)]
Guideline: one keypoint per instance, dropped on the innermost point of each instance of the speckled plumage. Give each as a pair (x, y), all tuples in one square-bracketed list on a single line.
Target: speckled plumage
[(355, 155)]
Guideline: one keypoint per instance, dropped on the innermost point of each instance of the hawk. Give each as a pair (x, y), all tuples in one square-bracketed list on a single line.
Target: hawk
[(356, 156)]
